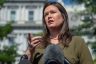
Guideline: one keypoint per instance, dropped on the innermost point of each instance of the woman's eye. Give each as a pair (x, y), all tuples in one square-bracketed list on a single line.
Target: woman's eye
[(53, 11), (45, 14)]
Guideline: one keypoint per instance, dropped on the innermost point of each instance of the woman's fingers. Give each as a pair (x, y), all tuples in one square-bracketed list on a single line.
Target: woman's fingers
[(29, 38), (36, 38), (34, 45), (35, 41)]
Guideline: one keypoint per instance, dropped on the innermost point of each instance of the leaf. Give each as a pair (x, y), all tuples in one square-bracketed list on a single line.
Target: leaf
[(5, 30)]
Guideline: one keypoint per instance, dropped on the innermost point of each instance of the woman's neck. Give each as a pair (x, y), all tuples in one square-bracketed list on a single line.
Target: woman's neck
[(54, 34), (54, 37)]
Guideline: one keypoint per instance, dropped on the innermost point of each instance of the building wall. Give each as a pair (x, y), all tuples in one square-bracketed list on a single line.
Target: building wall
[(19, 35), (22, 10), (21, 23)]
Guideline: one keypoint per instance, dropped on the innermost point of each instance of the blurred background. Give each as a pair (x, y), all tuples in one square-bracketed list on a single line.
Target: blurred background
[(20, 17)]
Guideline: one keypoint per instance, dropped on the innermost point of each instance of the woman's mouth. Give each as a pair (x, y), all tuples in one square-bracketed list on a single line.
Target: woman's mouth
[(50, 21)]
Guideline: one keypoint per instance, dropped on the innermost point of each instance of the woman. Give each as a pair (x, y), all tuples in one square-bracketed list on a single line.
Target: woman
[(56, 31)]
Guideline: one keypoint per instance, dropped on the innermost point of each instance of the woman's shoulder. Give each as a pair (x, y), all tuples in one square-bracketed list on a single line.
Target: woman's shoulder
[(78, 40), (78, 43), (77, 37)]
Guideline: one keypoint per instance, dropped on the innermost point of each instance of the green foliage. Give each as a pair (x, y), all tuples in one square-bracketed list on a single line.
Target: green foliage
[(89, 4), (2, 2), (94, 47), (5, 30), (8, 54), (86, 28)]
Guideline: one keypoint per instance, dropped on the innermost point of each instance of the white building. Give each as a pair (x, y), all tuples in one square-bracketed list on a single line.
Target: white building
[(27, 18)]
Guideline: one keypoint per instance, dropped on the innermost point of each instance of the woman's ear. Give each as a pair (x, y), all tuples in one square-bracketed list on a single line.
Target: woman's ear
[(63, 16)]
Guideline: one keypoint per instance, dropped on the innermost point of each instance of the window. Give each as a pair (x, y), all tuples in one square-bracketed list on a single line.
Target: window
[(31, 7), (11, 40), (13, 15), (12, 7), (30, 16)]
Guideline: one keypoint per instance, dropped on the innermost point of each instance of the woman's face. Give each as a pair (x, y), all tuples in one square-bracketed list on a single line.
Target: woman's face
[(53, 17)]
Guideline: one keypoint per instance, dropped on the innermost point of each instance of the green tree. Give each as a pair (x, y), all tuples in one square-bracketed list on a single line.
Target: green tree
[(5, 30), (89, 4), (1, 3), (8, 54)]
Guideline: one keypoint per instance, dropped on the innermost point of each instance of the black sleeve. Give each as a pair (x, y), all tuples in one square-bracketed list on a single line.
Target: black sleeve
[(24, 60)]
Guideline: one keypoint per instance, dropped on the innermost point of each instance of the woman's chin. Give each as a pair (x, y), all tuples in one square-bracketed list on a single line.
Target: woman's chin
[(52, 27)]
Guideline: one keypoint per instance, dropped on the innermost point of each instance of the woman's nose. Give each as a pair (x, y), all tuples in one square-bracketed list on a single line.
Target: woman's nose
[(49, 16)]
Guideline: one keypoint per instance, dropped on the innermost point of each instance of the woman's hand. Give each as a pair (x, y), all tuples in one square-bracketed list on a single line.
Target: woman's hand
[(32, 43), (35, 41)]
